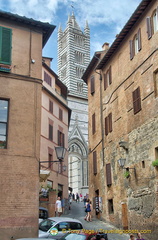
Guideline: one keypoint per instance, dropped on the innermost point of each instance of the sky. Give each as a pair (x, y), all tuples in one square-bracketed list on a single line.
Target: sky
[(106, 18)]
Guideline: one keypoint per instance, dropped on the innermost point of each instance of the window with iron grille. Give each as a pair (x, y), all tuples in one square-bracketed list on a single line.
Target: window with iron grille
[(136, 100), (110, 206)]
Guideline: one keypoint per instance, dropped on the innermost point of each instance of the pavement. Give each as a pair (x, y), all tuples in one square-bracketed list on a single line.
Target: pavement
[(78, 211)]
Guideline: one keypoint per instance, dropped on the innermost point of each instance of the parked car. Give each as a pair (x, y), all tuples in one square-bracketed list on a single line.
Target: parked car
[(43, 214), (56, 227)]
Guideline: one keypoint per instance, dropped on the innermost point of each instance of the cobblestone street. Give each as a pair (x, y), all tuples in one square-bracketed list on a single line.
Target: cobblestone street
[(78, 211)]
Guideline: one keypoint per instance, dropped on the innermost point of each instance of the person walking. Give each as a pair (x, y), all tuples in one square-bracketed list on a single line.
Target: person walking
[(139, 237), (88, 210), (132, 237), (58, 207)]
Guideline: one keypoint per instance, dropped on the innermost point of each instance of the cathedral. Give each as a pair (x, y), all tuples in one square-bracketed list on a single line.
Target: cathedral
[(73, 59)]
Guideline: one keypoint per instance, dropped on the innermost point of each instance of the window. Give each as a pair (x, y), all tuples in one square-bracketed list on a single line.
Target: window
[(152, 23), (136, 100), (63, 58), (47, 78), (50, 106), (92, 85), (107, 78), (60, 114), (5, 47), (93, 124), (50, 164), (108, 174), (50, 132), (110, 206), (79, 86), (108, 124), (95, 163), (61, 139), (4, 104), (135, 44)]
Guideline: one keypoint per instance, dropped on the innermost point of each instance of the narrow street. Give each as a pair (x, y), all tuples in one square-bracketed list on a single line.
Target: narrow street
[(78, 211)]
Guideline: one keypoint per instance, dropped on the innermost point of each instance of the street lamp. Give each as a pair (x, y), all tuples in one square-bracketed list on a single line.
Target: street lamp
[(60, 153), (121, 163)]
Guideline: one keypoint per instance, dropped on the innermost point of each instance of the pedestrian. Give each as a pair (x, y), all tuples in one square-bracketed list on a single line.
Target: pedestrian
[(88, 210), (132, 237), (58, 207), (80, 197), (139, 237), (77, 197), (73, 197), (84, 200)]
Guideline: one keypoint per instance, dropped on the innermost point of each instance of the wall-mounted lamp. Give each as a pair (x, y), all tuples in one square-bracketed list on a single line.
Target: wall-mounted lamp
[(60, 153), (64, 168), (121, 163), (124, 144)]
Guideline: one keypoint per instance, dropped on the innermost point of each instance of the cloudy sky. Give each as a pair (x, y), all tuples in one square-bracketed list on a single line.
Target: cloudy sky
[(106, 18)]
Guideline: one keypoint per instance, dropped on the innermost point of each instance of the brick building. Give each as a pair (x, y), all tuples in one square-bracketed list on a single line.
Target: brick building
[(21, 43), (54, 130), (123, 100)]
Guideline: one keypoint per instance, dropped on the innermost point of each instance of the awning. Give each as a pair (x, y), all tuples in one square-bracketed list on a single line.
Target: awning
[(44, 174)]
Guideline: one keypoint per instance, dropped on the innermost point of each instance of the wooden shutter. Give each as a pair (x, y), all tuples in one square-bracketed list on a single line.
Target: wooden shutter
[(131, 49), (93, 123), (105, 81), (136, 100), (60, 114), (95, 162), (149, 28), (50, 132), (5, 45), (50, 106), (108, 174), (110, 76), (139, 40), (92, 85), (106, 126), (110, 122)]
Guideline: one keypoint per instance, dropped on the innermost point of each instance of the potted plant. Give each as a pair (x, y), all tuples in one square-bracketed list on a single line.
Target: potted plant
[(126, 174), (155, 163)]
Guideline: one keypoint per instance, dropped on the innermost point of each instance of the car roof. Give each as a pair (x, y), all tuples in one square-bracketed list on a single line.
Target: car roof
[(61, 219), (32, 238)]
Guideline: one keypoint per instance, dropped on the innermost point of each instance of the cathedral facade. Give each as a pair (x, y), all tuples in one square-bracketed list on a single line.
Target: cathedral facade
[(73, 58)]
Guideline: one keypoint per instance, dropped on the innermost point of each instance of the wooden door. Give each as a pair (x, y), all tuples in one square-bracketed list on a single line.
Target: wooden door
[(124, 216)]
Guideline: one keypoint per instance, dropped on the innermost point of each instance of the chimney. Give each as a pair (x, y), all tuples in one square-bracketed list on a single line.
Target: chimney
[(105, 46)]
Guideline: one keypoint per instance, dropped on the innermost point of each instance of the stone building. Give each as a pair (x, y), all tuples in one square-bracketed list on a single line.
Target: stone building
[(21, 43), (125, 106), (54, 130), (73, 58)]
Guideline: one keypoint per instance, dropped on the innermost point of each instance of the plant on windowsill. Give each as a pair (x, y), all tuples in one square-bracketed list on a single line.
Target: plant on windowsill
[(126, 174), (155, 163)]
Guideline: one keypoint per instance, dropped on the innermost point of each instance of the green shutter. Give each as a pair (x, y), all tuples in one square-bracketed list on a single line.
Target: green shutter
[(5, 45)]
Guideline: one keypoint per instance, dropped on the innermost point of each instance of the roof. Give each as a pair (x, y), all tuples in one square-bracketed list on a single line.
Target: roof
[(133, 19), (46, 28)]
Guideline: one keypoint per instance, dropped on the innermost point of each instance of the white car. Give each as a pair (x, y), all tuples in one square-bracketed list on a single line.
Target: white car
[(57, 227)]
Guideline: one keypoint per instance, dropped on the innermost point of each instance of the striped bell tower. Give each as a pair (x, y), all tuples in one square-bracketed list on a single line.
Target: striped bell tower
[(73, 59)]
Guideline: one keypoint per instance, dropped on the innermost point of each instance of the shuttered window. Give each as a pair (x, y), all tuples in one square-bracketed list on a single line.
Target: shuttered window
[(94, 162), (93, 124), (60, 114), (108, 174), (131, 49), (50, 132), (5, 45), (92, 85), (50, 106), (135, 44), (107, 78), (47, 78), (149, 28), (139, 39), (61, 139), (136, 100), (108, 124)]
